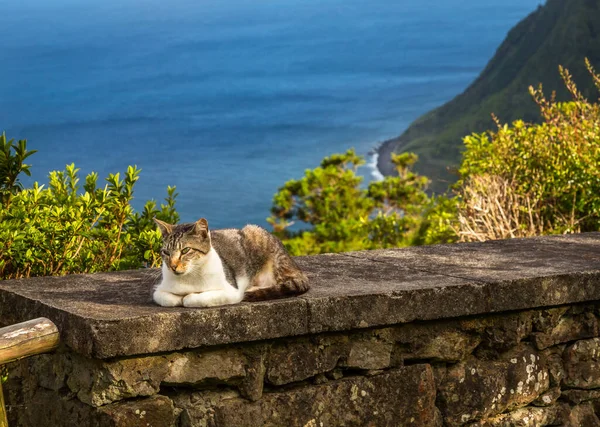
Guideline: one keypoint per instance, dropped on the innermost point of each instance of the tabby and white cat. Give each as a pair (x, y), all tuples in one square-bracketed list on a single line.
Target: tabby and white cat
[(203, 268)]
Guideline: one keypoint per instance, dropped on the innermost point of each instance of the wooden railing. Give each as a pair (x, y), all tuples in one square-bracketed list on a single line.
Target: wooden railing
[(23, 340)]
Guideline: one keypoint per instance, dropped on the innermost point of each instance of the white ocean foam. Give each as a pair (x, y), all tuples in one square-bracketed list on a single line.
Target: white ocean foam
[(371, 165)]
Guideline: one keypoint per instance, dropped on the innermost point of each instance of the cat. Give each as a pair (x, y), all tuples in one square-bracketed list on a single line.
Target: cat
[(203, 268)]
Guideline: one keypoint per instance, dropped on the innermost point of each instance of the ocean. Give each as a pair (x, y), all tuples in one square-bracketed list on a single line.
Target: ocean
[(229, 99)]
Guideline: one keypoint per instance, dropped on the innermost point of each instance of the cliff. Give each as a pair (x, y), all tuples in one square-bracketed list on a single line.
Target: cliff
[(561, 32)]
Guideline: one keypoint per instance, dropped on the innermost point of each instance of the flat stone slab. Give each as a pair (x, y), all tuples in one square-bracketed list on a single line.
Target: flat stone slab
[(112, 314)]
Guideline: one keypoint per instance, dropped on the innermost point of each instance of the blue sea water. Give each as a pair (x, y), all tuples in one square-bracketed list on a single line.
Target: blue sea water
[(228, 99)]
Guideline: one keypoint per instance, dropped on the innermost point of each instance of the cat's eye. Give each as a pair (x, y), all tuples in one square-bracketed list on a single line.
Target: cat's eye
[(165, 252), (185, 251)]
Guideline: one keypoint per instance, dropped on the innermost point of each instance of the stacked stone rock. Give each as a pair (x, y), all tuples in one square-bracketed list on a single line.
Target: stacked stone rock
[(495, 334)]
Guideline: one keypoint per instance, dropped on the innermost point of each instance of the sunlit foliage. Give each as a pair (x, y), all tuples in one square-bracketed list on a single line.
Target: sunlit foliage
[(328, 210), (67, 228)]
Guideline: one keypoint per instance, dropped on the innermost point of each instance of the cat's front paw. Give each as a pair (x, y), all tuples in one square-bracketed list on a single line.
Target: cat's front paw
[(167, 299), (208, 299), (196, 300), (212, 299)]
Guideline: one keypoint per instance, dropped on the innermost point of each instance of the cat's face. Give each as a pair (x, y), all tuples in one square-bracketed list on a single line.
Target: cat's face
[(184, 245)]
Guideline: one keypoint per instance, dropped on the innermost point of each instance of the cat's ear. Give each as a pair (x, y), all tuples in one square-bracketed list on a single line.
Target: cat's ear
[(201, 227), (164, 228)]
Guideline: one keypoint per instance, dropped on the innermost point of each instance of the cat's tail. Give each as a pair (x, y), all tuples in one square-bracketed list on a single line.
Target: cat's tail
[(293, 283)]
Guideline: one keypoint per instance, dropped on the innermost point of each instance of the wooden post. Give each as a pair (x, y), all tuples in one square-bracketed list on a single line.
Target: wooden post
[(3, 419), (27, 339), (22, 340)]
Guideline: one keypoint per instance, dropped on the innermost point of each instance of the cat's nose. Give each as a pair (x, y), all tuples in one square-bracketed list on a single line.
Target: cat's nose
[(177, 268)]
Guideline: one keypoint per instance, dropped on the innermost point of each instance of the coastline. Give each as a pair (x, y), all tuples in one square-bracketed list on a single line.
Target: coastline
[(372, 164), (384, 152)]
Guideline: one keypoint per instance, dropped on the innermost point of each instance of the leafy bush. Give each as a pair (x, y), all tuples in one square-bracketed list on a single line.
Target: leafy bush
[(11, 165), (339, 215), (60, 229), (521, 180), (530, 179)]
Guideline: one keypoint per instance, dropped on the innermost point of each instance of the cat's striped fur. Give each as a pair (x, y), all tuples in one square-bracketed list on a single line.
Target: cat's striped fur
[(203, 268)]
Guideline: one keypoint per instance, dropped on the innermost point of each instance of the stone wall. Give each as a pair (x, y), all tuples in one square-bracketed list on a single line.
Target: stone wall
[(535, 366)]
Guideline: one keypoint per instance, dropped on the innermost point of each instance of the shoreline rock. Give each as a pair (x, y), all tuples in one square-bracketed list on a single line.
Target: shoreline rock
[(384, 153)]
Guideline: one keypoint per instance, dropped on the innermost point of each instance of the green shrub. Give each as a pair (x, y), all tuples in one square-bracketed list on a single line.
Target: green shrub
[(336, 214), (61, 229), (11, 166), (531, 179), (521, 180)]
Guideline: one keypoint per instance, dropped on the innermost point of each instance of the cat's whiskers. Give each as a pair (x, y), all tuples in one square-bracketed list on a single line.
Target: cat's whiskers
[(153, 274)]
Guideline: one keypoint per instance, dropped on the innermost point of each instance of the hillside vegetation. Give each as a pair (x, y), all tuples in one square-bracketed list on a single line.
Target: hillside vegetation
[(517, 180), (561, 32)]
